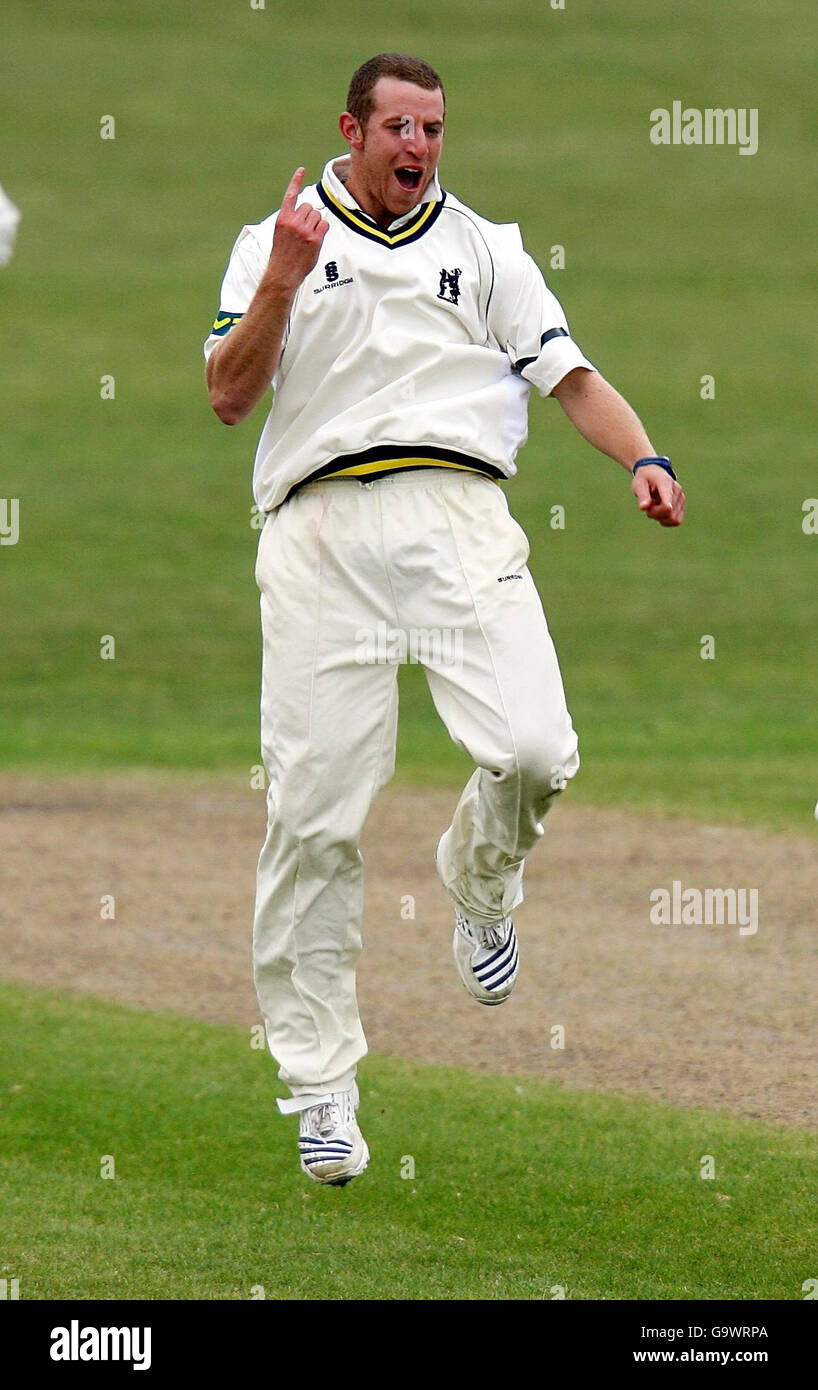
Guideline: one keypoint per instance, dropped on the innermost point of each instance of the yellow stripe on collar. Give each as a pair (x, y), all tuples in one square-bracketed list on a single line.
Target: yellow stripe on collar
[(389, 238)]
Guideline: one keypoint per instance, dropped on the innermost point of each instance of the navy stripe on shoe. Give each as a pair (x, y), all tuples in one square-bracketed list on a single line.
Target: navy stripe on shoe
[(326, 1143), (323, 1139), (339, 1145), (331, 1156), (497, 954), (497, 962), (505, 977)]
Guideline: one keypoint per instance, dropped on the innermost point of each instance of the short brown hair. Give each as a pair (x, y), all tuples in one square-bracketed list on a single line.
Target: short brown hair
[(400, 65)]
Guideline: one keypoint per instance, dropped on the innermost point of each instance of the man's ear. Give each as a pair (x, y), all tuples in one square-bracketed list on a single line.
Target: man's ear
[(351, 130)]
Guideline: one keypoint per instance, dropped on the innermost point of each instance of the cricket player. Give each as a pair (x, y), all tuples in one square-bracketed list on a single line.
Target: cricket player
[(401, 333)]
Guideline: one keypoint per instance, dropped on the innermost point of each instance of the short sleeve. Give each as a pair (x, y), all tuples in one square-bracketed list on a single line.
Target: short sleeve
[(241, 279), (532, 328), (9, 218)]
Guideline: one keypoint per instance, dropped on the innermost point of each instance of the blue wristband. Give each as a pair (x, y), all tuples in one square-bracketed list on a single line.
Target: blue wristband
[(661, 461)]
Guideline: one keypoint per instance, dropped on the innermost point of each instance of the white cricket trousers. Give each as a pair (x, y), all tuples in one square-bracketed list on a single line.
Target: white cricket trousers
[(430, 566)]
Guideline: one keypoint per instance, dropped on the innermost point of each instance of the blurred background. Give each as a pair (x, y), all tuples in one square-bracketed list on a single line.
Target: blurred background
[(129, 822), (679, 262)]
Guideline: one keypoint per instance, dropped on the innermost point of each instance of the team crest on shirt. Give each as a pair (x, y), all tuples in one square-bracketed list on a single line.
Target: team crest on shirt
[(450, 286)]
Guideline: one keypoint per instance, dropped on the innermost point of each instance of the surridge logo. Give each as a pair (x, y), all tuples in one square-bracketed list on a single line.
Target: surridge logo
[(450, 286), (74, 1343), (333, 278)]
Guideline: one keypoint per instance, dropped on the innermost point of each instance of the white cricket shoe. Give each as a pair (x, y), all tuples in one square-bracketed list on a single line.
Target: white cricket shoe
[(332, 1148), (487, 958)]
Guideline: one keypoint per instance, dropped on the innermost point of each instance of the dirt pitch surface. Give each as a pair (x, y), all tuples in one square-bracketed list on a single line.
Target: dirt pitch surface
[(695, 1015)]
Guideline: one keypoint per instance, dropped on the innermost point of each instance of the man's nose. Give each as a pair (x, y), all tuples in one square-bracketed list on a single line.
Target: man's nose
[(417, 144)]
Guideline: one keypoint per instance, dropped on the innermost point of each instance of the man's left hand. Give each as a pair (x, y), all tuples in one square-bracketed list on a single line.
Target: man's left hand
[(659, 497)]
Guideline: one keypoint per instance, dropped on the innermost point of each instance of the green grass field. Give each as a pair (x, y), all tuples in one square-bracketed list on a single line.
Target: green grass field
[(135, 522), (680, 262), (520, 1188)]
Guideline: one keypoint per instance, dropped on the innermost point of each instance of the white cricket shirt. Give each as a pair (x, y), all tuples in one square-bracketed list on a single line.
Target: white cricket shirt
[(410, 347)]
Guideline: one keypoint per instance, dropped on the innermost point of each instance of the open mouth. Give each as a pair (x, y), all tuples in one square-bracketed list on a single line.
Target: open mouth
[(409, 177)]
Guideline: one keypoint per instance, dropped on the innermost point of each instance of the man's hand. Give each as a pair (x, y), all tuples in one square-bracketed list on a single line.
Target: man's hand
[(242, 367), (605, 419), (659, 497), (297, 239)]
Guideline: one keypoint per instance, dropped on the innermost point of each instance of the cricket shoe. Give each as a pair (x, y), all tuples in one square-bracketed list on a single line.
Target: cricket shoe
[(331, 1145), (487, 958)]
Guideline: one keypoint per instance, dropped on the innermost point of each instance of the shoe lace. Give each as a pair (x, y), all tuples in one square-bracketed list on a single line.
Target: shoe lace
[(492, 936), (487, 938), (326, 1118)]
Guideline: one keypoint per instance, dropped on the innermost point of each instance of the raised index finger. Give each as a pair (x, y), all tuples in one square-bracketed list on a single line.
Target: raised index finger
[(293, 188)]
